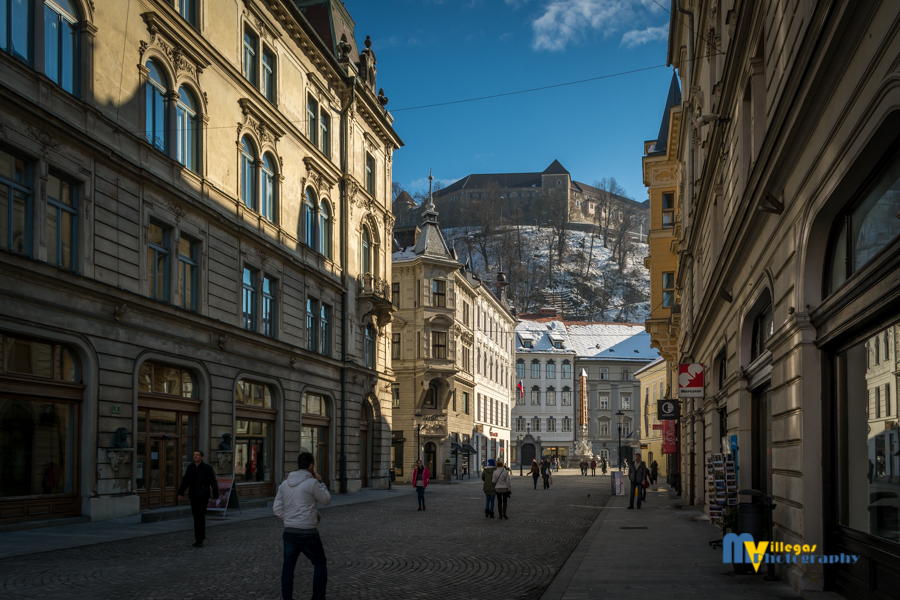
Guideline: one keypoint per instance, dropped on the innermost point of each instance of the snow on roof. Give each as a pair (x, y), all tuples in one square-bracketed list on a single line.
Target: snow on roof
[(540, 334), (611, 340), (649, 365), (402, 255)]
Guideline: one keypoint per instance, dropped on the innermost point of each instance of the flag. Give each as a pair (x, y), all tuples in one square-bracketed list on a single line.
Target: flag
[(521, 389)]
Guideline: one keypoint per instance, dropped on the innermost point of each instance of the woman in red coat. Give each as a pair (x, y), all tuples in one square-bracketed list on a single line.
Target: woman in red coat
[(420, 482)]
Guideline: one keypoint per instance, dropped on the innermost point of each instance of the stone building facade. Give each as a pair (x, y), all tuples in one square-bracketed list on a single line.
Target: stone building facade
[(610, 354), (432, 355), (789, 270), (194, 251), (653, 378)]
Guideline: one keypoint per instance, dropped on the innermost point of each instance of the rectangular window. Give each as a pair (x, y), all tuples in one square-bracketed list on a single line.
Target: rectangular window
[(668, 210), (535, 370), (187, 273), (626, 402), (567, 397), (158, 261), (370, 174), (520, 424), (465, 314), (551, 370), (62, 222), (535, 424), (325, 330), (887, 399), (604, 402), (268, 78), (439, 292), (626, 429), (763, 328), (604, 373), (188, 8), (625, 374), (418, 344), (567, 424), (312, 326), (878, 403), (249, 288), (268, 306), (604, 428), (668, 290), (395, 346), (466, 402), (324, 135), (520, 370), (535, 397), (312, 124), (395, 395), (551, 397), (251, 43), (395, 295), (439, 344), (566, 371), (15, 203)]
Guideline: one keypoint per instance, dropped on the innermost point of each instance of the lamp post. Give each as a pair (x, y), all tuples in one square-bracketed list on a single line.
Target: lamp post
[(418, 427), (620, 418), (520, 455)]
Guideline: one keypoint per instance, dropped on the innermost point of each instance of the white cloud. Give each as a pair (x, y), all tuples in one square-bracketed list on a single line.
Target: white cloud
[(569, 21), (636, 37)]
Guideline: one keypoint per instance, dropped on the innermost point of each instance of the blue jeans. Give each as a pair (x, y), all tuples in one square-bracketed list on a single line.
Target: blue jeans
[(640, 492), (489, 502), (309, 544), (420, 492)]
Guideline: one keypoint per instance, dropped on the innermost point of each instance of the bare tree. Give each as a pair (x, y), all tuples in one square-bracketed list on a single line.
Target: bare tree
[(607, 202), (396, 188)]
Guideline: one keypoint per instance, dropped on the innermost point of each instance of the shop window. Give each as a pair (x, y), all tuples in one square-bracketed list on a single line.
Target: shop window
[(253, 451), (866, 227), (250, 393), (314, 432), (158, 378), (16, 197), (24, 356), (62, 222)]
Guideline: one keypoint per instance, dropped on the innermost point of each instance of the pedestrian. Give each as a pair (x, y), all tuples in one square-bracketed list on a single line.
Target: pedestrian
[(545, 471), (487, 476), (638, 475), (200, 481), (421, 475), (296, 504), (593, 467), (603, 465), (557, 464), (654, 471), (503, 489), (535, 471)]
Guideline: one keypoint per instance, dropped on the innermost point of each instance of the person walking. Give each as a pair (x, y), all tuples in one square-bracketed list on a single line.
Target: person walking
[(421, 475), (593, 467), (200, 481), (654, 471), (502, 488), (637, 474), (603, 466), (487, 476), (535, 471), (545, 471), (296, 504)]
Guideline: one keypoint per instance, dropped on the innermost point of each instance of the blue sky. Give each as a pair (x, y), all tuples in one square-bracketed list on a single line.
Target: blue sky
[(432, 51)]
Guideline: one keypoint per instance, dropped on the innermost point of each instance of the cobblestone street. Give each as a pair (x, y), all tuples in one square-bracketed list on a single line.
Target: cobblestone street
[(379, 549)]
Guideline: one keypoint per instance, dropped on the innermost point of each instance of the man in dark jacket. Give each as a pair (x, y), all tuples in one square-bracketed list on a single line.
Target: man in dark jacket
[(200, 479), (637, 474)]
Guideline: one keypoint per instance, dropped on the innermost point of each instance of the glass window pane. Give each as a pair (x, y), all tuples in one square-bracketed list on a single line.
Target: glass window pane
[(252, 458), (52, 234), (189, 427), (167, 380), (20, 28), (163, 421), (51, 43), (19, 231), (67, 364), (37, 443), (29, 357)]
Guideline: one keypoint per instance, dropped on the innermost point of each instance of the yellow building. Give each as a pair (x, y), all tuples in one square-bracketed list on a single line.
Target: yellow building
[(663, 178), (653, 379)]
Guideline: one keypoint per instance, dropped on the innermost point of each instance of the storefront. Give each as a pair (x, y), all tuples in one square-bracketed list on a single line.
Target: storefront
[(40, 399), (315, 432), (560, 453), (255, 417)]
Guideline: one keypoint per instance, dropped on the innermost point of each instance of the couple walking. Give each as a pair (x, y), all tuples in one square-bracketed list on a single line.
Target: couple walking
[(543, 470), (496, 486)]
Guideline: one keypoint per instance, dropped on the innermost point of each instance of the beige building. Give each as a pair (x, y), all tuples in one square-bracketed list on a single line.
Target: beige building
[(193, 251), (789, 270), (653, 379)]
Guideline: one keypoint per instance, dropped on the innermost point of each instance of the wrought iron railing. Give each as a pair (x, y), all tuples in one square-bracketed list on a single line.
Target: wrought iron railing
[(374, 286)]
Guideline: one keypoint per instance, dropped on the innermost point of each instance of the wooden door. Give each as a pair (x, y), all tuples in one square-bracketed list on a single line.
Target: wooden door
[(527, 454), (165, 444)]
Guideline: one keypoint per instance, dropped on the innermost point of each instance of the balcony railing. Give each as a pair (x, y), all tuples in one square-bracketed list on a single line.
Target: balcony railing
[(374, 286)]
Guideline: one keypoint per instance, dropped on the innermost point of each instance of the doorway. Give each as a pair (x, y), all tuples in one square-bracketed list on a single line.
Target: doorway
[(431, 458), (528, 454), (166, 440), (762, 440), (365, 442), (314, 439)]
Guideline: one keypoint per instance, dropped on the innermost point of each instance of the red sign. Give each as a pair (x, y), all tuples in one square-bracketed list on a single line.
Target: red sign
[(493, 434), (670, 435), (690, 380), (657, 427)]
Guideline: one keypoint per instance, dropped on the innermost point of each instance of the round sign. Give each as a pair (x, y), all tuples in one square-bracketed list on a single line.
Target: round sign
[(668, 408)]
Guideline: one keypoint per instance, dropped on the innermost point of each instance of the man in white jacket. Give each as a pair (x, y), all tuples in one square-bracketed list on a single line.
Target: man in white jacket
[(295, 504)]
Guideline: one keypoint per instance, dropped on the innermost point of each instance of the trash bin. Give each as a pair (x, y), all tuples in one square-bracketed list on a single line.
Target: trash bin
[(751, 518)]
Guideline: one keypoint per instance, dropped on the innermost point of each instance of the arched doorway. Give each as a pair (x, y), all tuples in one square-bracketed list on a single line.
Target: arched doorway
[(528, 454), (431, 458)]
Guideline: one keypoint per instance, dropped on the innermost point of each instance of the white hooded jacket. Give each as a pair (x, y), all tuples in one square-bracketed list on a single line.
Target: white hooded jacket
[(295, 503)]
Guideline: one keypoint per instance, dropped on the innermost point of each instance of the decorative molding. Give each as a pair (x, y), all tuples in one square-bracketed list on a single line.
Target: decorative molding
[(222, 340), (43, 137), (317, 177), (266, 130), (177, 210), (120, 312), (181, 53), (118, 457)]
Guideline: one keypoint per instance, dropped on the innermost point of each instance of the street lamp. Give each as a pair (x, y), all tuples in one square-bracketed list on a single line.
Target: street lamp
[(520, 455), (620, 418), (418, 427)]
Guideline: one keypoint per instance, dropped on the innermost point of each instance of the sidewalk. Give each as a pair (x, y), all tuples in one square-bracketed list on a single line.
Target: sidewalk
[(47, 539), (659, 552)]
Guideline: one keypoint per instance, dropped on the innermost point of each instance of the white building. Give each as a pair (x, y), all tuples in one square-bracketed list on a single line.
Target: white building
[(544, 414)]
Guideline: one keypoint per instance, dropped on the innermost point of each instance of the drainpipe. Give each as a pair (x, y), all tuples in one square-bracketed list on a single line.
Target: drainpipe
[(345, 278)]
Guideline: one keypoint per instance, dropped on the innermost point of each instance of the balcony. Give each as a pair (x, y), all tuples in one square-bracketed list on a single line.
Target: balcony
[(374, 297)]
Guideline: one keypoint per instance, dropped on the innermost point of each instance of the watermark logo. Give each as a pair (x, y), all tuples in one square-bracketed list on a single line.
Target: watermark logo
[(743, 549)]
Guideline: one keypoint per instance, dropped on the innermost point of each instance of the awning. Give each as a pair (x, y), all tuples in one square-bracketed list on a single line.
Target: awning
[(456, 447), (470, 449)]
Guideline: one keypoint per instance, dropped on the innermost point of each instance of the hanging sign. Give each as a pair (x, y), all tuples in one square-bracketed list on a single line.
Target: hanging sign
[(690, 380), (670, 436), (667, 409)]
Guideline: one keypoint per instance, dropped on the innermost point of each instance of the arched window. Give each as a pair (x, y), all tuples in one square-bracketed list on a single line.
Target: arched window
[(186, 129), (268, 187), (865, 227), (60, 43), (325, 241), (157, 132), (366, 251), (168, 380), (370, 346), (309, 218), (248, 174)]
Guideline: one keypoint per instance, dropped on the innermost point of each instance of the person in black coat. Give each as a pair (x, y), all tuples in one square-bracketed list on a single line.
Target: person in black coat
[(200, 479)]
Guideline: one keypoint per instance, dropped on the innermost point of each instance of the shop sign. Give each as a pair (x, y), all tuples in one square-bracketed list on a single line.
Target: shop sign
[(479, 428), (644, 446), (495, 434), (221, 503), (670, 435), (116, 409), (657, 426), (690, 380), (667, 410)]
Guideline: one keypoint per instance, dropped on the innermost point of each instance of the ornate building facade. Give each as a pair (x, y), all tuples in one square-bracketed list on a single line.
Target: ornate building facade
[(194, 253)]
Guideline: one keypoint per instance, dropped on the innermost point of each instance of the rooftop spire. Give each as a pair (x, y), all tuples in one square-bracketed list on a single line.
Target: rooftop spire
[(430, 213)]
